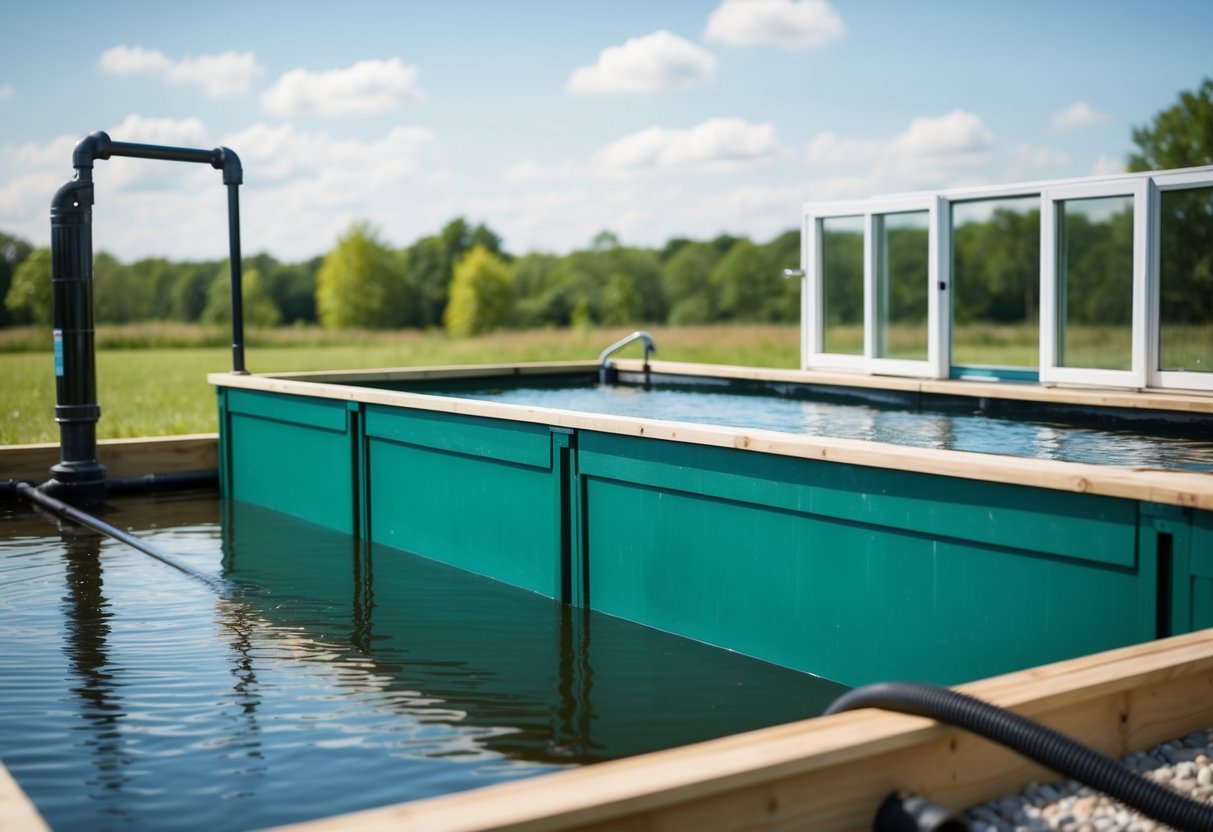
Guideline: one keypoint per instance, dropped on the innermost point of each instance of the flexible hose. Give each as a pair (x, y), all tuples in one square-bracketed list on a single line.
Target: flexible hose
[(1037, 742)]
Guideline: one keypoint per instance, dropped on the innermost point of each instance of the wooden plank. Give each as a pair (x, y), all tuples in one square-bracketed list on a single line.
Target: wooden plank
[(17, 813), (1181, 488), (121, 457), (832, 772)]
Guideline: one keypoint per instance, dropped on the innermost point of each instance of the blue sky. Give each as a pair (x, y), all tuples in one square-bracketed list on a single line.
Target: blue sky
[(553, 121)]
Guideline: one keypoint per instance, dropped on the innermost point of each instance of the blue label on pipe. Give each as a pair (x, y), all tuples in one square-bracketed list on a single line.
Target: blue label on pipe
[(58, 336)]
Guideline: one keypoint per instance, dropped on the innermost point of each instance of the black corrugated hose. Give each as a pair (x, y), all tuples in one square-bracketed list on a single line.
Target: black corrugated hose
[(1038, 742)]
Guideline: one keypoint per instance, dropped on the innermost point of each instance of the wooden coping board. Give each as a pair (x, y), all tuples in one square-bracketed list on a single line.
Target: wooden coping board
[(831, 773), (121, 457), (1191, 489)]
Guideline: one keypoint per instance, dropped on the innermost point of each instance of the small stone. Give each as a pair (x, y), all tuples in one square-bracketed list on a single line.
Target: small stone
[(1205, 776), (1195, 740), (1049, 793)]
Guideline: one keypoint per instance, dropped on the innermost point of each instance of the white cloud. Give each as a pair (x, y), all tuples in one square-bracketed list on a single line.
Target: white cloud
[(6, 91), (1078, 114), (301, 189), (220, 76), (1027, 161), (932, 151), (793, 24), (529, 171), (369, 86), (652, 63), (186, 132), (1107, 165), (717, 144)]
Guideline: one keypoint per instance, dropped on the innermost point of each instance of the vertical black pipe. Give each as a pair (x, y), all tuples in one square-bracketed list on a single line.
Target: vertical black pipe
[(78, 472), (233, 233)]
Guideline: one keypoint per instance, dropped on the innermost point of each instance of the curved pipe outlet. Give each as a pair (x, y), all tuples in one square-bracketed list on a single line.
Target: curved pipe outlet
[(607, 374)]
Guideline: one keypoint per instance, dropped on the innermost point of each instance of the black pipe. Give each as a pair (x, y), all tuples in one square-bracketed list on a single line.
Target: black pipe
[(1037, 742), (78, 471), (177, 481), (79, 476), (82, 518)]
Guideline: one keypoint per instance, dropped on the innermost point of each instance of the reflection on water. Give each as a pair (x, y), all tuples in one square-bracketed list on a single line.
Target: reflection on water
[(331, 677), (971, 431)]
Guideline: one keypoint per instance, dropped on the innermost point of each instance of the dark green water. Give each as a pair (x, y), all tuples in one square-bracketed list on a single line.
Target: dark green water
[(327, 678)]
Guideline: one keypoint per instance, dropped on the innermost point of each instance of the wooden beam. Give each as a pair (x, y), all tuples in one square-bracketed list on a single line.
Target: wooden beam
[(17, 813), (831, 773), (121, 457)]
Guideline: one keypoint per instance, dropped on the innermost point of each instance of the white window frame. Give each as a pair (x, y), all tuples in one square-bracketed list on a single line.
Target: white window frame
[(1174, 379), (950, 200), (1050, 373), (813, 311), (813, 351)]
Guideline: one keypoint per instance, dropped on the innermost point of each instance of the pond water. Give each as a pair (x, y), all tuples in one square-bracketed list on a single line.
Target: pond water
[(324, 676), (970, 430)]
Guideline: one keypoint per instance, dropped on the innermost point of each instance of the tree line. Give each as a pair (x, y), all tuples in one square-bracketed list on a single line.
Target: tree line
[(460, 279)]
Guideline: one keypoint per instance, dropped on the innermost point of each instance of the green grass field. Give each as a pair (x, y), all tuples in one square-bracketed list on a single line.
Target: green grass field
[(158, 391)]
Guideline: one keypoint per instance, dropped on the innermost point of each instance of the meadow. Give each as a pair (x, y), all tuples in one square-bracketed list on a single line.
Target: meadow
[(151, 379)]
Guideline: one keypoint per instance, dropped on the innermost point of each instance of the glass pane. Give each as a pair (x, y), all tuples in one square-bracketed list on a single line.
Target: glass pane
[(1185, 307), (902, 288), (842, 284), (1095, 283), (996, 282)]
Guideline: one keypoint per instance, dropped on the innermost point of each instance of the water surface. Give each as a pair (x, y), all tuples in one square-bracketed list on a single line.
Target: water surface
[(960, 431), (327, 677)]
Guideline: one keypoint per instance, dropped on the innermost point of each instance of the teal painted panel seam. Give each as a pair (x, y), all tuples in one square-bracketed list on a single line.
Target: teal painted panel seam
[(296, 410), (499, 440), (1086, 527), (1202, 544)]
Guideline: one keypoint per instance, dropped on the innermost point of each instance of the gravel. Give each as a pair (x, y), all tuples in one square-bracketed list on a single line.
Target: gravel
[(1186, 766)]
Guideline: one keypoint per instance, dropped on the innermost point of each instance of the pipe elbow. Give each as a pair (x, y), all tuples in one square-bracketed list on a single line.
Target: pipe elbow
[(226, 160), (73, 197), (93, 146)]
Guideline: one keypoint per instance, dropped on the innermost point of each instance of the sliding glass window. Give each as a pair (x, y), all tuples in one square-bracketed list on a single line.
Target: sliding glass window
[(842, 284), (903, 285), (996, 287), (1185, 283)]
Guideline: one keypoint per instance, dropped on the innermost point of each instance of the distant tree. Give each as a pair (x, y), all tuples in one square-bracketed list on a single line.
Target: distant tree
[(605, 240), (117, 297), (13, 250), (744, 283), (691, 295), (532, 282), (781, 253), (30, 298), (292, 288), (361, 283), (256, 305), (1180, 137), (480, 294)]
